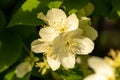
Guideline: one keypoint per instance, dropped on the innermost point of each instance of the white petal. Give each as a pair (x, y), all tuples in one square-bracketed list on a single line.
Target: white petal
[(22, 69), (73, 34), (38, 47), (47, 33), (95, 77), (67, 61), (86, 45), (53, 63), (58, 44), (55, 15), (73, 22), (100, 66)]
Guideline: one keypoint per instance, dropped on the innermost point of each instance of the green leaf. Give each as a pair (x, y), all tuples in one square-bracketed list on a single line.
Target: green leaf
[(81, 13), (24, 31), (74, 77), (102, 7), (27, 6), (73, 74), (10, 49), (56, 76), (54, 4), (85, 11), (74, 5), (87, 29), (27, 14), (89, 8), (12, 76), (117, 73), (89, 32), (2, 21), (84, 65), (113, 14), (116, 5)]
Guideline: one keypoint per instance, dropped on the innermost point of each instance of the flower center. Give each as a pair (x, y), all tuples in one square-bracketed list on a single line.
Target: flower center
[(49, 52), (71, 47), (68, 43), (61, 26)]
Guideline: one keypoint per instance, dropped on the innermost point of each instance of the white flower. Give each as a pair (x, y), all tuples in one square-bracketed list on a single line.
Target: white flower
[(57, 23), (22, 69), (58, 20), (103, 71), (67, 44)]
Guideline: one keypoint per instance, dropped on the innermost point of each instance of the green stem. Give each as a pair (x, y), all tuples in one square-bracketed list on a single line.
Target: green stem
[(30, 52)]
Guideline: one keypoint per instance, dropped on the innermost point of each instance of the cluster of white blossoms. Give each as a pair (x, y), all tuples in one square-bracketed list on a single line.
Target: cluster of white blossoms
[(103, 70), (61, 39)]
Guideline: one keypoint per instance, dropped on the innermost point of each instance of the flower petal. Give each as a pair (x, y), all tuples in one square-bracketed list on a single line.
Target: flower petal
[(53, 63), (74, 34), (73, 22), (22, 69), (67, 61), (55, 15), (100, 66), (47, 34), (85, 45), (95, 77), (38, 47)]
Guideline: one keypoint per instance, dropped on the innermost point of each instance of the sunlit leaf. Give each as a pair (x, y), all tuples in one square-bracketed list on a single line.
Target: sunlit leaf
[(54, 4), (27, 14), (10, 49), (27, 6)]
